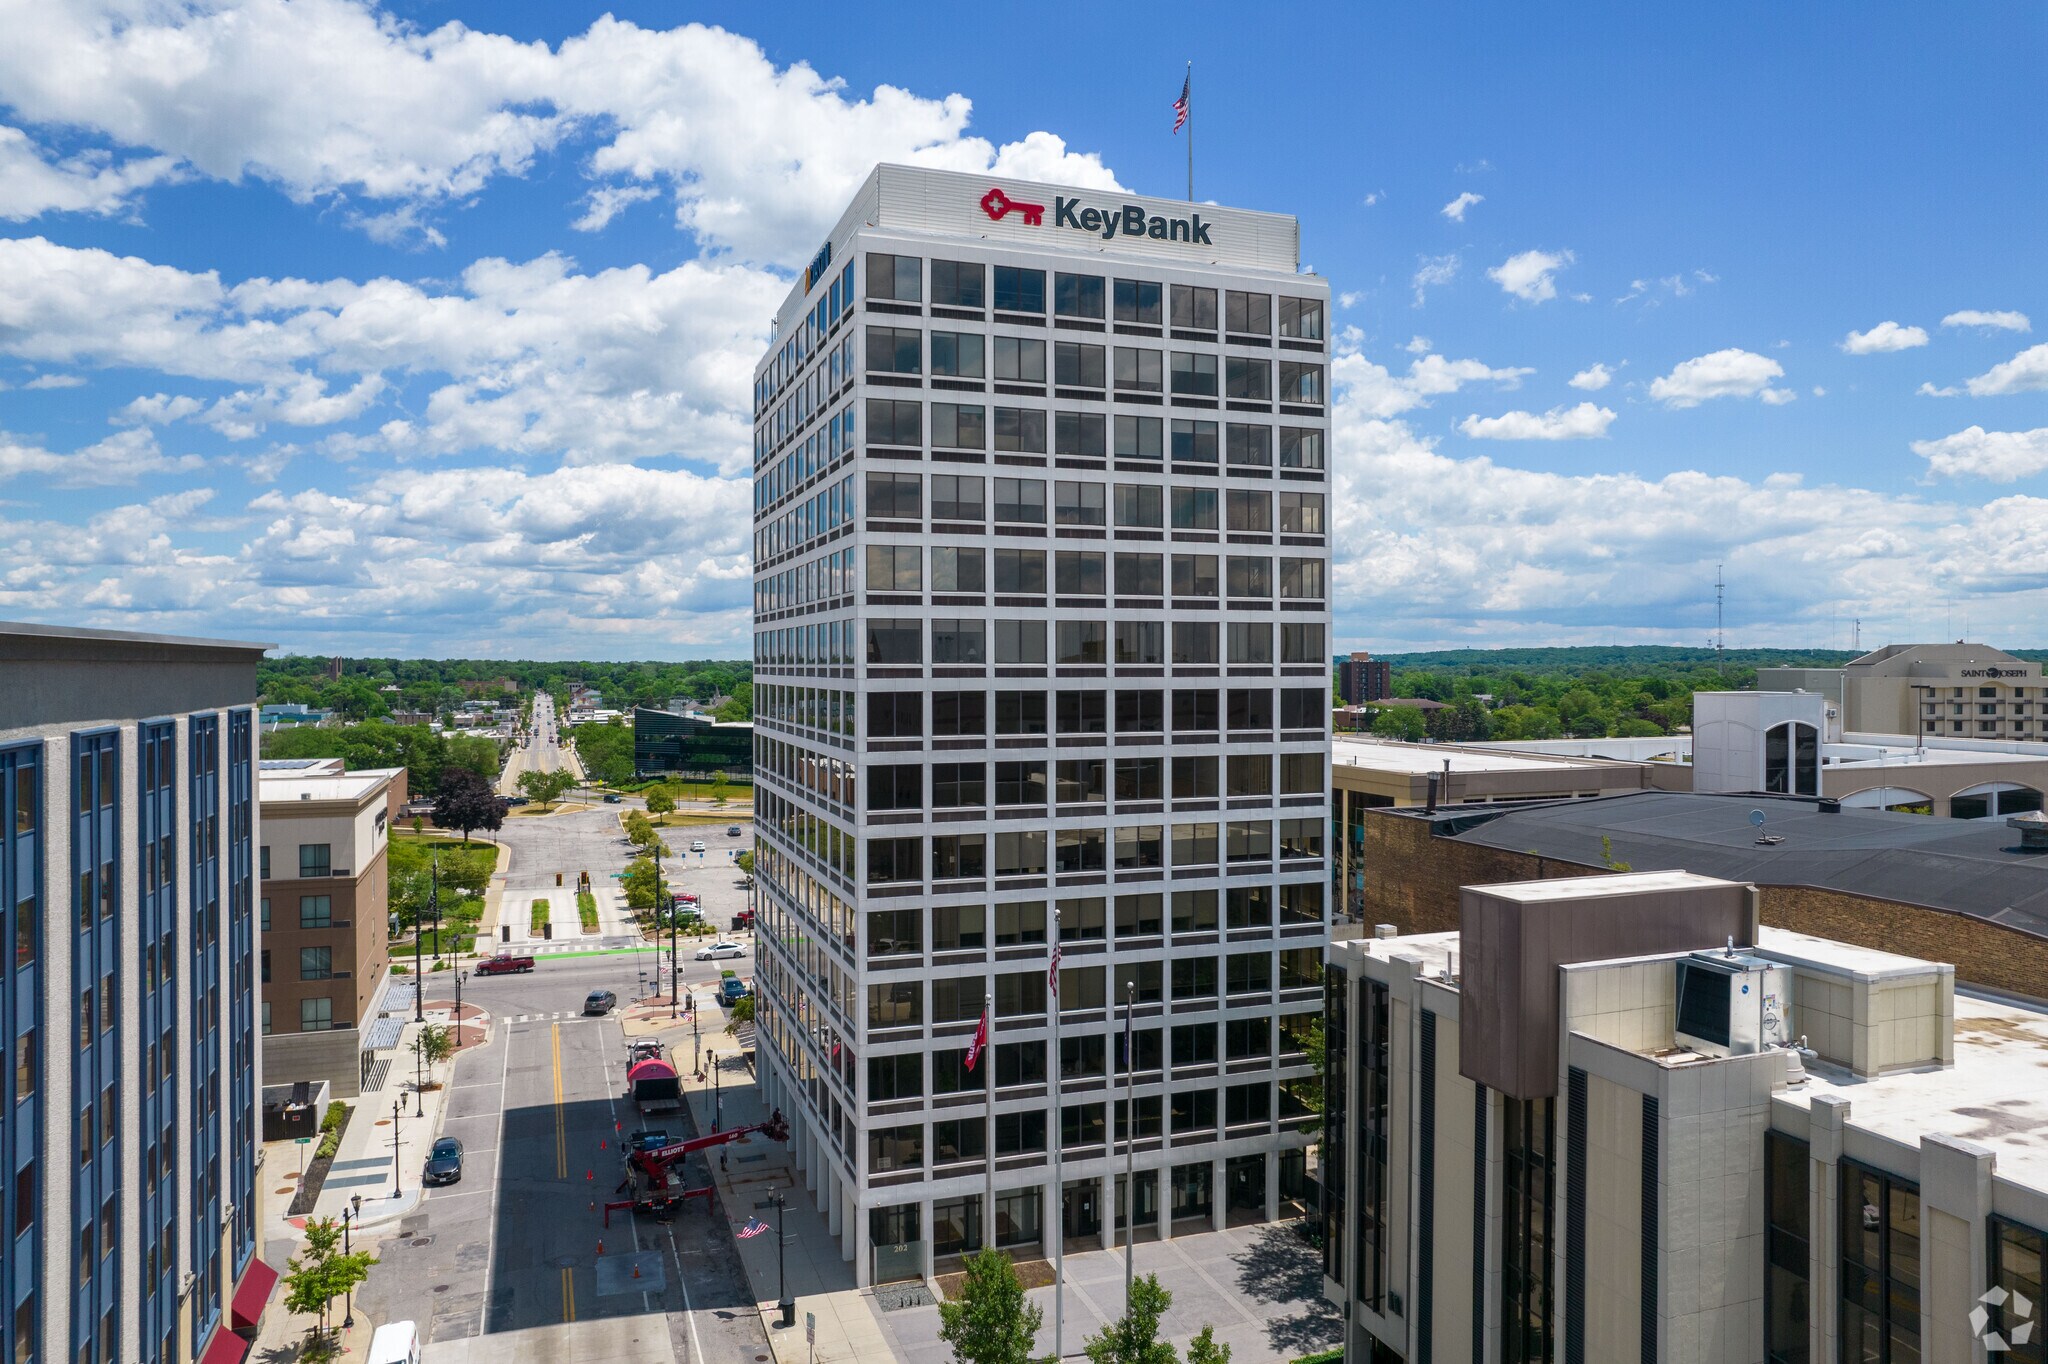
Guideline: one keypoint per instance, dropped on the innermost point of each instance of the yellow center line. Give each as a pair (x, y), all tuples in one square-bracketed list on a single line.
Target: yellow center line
[(568, 1295), (561, 1136)]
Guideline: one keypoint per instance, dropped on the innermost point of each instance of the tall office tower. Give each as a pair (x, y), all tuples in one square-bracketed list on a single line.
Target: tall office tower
[(1041, 569), (127, 873)]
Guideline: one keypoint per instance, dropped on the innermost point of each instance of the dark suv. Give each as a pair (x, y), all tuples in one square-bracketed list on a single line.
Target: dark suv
[(599, 1002)]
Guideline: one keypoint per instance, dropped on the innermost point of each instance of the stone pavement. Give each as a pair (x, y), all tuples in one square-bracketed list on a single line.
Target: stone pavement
[(362, 1167)]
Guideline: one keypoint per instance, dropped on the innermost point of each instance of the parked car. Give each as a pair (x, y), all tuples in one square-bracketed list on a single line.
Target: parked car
[(611, 798), (504, 964), (515, 800), (732, 831), (599, 1002), (444, 1162), (731, 990), (719, 950)]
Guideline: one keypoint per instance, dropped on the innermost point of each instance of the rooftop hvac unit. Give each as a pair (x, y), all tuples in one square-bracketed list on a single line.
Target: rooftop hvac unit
[(1732, 1004)]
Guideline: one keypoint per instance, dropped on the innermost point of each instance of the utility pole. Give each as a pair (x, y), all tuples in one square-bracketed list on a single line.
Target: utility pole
[(419, 978), (397, 1180)]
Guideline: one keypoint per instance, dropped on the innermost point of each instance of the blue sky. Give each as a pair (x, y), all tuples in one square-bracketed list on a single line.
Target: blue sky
[(425, 328)]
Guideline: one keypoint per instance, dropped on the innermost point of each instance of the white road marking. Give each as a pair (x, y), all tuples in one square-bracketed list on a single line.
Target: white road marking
[(491, 1257)]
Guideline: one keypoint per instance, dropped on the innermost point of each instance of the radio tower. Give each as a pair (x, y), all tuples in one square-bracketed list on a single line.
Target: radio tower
[(1720, 634)]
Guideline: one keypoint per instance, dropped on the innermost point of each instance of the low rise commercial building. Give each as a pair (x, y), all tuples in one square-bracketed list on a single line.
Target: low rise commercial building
[(671, 743), (128, 1149), (1618, 1117), (326, 915)]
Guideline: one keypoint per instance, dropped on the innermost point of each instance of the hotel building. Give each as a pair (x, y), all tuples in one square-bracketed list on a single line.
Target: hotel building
[(1616, 1118), (128, 871), (1041, 650)]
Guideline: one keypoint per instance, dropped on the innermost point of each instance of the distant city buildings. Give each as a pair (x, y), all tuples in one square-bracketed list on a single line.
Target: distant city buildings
[(1362, 678), (128, 873), (325, 914), (1616, 1117)]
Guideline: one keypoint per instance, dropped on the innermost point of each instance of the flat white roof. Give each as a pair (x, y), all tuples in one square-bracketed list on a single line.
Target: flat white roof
[(1599, 887), (1423, 759), (282, 788)]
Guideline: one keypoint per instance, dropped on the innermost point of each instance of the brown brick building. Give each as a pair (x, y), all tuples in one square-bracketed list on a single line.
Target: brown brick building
[(325, 914), (1956, 891)]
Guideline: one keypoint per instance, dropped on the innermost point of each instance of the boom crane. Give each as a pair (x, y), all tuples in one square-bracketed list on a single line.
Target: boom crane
[(652, 1172)]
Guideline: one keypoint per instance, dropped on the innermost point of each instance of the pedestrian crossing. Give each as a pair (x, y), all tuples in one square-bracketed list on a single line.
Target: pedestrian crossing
[(559, 1016)]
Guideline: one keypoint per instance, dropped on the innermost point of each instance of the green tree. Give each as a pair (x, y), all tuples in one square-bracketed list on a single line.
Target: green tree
[(433, 1044), (545, 787), (745, 862), (1206, 1349), (321, 1272), (1134, 1337), (638, 883), (991, 1321), (660, 803), (1401, 722)]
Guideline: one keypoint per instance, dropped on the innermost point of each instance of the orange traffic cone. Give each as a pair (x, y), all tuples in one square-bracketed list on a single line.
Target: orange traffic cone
[(636, 1271), (600, 1247)]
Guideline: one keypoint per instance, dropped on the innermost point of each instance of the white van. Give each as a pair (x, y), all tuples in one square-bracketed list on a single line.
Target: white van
[(397, 1342)]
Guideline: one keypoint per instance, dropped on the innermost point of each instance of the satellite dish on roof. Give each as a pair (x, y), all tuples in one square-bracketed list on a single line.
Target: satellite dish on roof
[(1756, 818)]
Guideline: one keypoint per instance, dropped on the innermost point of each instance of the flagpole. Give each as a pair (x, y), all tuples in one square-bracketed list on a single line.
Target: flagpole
[(988, 1012), (1191, 131), (1059, 1142)]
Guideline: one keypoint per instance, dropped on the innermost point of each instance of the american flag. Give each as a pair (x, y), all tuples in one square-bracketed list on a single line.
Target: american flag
[(754, 1227), (1180, 106), (1052, 972)]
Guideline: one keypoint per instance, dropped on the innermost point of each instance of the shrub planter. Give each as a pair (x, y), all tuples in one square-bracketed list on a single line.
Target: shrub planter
[(331, 1128)]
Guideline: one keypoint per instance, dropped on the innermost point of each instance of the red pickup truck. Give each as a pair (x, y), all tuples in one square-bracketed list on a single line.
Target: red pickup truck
[(504, 964)]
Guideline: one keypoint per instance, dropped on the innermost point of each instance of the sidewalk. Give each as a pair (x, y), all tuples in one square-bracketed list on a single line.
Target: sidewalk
[(820, 1281), (362, 1167)]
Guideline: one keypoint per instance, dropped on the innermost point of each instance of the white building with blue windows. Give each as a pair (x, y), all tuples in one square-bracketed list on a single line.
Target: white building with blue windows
[(128, 876)]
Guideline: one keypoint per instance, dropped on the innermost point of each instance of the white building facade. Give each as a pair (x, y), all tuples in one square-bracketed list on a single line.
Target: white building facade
[(1041, 654)]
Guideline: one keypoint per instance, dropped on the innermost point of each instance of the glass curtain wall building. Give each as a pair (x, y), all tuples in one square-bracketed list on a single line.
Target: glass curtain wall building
[(126, 765), (1042, 652)]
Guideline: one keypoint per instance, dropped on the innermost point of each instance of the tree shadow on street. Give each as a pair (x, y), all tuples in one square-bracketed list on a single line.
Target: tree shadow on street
[(1281, 1267)]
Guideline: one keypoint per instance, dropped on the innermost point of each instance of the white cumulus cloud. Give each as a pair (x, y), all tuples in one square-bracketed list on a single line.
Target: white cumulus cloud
[(1996, 321), (33, 183), (1592, 379), (1999, 456), (1731, 373), (1885, 336), (341, 97), (1584, 422), (1531, 275), (1455, 209), (2024, 373)]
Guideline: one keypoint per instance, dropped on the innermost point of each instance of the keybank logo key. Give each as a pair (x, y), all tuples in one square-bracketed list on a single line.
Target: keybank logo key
[(1129, 221)]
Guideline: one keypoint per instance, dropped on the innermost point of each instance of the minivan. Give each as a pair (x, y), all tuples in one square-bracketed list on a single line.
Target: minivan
[(599, 1002)]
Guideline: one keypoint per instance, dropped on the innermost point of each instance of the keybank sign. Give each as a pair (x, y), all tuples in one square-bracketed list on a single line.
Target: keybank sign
[(1107, 223)]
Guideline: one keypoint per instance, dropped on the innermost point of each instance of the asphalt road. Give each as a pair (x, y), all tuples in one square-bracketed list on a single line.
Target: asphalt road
[(541, 752), (512, 1252)]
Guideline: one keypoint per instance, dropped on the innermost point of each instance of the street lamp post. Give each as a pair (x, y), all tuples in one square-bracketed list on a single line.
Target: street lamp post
[(460, 976), (397, 1180), (419, 1083), (674, 976), (717, 1095), (348, 1303), (784, 1304), (1130, 1141)]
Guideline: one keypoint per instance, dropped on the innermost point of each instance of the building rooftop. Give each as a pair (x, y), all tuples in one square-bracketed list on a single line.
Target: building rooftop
[(1970, 867), (80, 633), (1392, 755), (283, 788)]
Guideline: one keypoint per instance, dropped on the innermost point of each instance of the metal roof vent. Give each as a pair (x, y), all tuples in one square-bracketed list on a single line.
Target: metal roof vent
[(2033, 827)]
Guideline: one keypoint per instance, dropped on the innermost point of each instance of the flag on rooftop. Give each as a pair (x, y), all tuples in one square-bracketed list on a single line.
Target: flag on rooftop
[(1180, 106)]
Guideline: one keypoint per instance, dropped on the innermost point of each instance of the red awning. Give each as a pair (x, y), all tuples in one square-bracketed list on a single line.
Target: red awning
[(651, 1069), (252, 1294), (225, 1348)]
